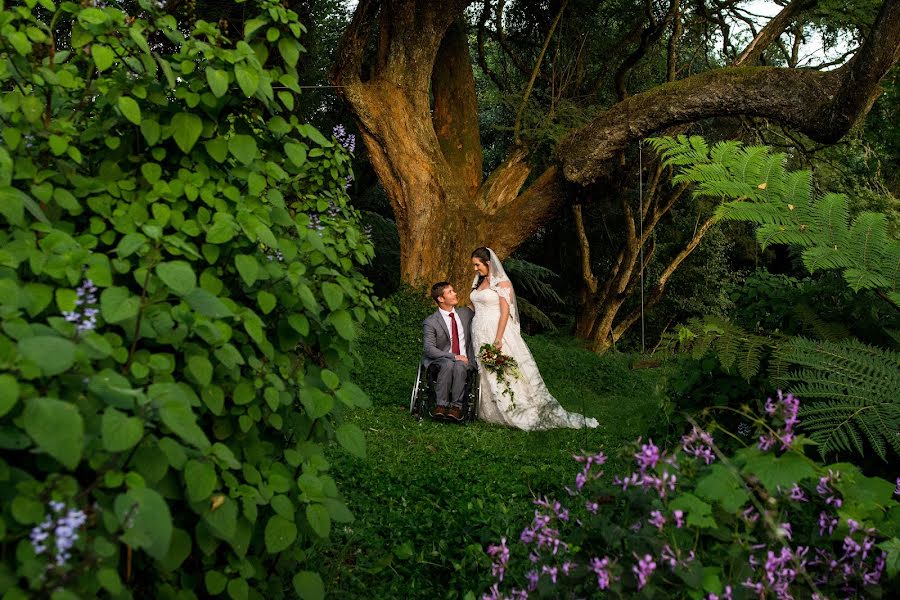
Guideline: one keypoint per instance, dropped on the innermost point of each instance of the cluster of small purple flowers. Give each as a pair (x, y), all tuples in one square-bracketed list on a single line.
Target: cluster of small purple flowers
[(62, 528), (786, 408), (780, 569), (272, 254), (347, 140), (647, 459), (698, 443), (315, 222), (85, 314)]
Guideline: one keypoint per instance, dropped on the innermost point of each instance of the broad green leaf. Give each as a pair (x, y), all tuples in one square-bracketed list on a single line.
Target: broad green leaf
[(215, 582), (724, 487), (176, 413), (247, 78), (120, 432), (151, 131), (316, 402), (280, 534), (200, 478), (186, 130), (296, 153), (238, 589), (218, 81), (334, 296), (352, 439), (266, 301), (309, 586), (222, 517), (9, 393), (179, 550), (103, 56), (343, 323), (243, 147), (200, 368), (248, 268), (130, 109), (56, 427), (698, 512), (318, 518), (117, 304), (178, 275), (52, 354), (207, 304), (145, 516), (289, 49), (151, 172), (217, 148), (780, 472)]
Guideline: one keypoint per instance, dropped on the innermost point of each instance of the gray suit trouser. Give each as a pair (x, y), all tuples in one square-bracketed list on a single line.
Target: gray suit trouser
[(450, 387)]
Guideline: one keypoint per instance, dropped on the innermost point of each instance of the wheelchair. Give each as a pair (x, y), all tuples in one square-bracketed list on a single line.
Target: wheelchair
[(422, 400)]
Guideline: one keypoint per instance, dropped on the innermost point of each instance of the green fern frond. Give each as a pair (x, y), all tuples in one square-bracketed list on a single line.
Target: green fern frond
[(798, 188), (868, 238), (771, 233), (531, 311), (760, 214), (833, 216), (825, 257), (823, 329)]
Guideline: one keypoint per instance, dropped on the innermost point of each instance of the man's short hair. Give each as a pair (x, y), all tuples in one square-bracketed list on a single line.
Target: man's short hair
[(437, 290)]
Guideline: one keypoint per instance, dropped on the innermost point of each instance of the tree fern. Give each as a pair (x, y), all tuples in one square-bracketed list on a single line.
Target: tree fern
[(851, 393), (849, 389), (752, 185)]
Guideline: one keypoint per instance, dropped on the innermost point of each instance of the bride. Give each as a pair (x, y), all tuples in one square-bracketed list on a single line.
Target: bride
[(496, 321)]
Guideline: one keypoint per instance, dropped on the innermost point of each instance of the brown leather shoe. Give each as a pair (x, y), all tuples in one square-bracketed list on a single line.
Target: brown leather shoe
[(455, 414), (439, 412)]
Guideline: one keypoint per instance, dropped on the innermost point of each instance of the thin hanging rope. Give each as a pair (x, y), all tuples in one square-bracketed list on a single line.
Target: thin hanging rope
[(641, 219)]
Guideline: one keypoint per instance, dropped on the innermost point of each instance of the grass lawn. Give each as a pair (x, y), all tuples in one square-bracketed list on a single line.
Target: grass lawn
[(429, 497)]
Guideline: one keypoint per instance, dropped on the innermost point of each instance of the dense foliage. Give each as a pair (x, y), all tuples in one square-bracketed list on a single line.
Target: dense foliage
[(180, 296), (693, 521)]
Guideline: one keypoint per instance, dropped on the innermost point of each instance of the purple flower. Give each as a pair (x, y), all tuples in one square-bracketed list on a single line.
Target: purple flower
[(592, 507), (827, 522), (657, 519), (65, 532), (797, 494), (347, 140), (643, 570), (852, 525), (698, 443), (600, 566), (315, 222), (825, 490), (679, 518), (897, 489), (532, 577), (647, 457), (500, 553), (766, 442), (85, 314), (552, 571)]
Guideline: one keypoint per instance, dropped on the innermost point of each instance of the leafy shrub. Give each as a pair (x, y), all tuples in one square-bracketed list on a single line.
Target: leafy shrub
[(764, 522), (180, 295)]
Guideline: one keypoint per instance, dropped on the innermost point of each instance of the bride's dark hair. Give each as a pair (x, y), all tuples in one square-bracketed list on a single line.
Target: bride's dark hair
[(484, 255)]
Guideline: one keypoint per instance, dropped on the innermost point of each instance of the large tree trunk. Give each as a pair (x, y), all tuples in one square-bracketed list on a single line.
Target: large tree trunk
[(428, 155)]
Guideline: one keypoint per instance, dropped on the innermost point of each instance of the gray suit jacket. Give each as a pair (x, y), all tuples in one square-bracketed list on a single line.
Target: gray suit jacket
[(436, 337)]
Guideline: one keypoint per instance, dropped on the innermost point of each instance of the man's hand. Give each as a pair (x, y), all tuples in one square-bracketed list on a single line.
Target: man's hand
[(462, 358)]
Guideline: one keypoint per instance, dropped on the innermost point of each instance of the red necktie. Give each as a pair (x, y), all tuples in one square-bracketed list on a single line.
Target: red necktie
[(455, 330)]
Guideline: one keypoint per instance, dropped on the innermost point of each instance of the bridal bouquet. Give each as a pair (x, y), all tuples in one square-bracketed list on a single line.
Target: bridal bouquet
[(501, 365)]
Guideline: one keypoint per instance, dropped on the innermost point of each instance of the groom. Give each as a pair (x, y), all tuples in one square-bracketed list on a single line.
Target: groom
[(448, 346)]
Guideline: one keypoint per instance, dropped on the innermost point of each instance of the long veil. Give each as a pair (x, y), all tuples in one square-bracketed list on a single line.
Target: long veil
[(500, 283)]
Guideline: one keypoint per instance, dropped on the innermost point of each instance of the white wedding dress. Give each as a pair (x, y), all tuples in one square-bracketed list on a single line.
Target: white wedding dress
[(532, 407)]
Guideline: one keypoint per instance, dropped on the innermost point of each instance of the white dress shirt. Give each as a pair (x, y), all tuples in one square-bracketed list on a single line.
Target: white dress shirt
[(459, 327)]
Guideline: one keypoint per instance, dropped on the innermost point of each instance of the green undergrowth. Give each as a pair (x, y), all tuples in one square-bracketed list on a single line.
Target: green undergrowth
[(429, 497)]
